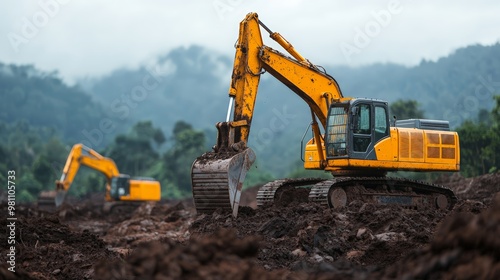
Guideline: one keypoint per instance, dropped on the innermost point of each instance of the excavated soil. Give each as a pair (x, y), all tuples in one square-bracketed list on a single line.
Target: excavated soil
[(299, 241)]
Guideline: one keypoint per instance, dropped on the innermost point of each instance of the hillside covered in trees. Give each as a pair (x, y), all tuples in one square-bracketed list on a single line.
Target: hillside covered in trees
[(154, 120)]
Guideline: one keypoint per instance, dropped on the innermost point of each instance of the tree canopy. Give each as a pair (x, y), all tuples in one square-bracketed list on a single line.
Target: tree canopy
[(480, 143)]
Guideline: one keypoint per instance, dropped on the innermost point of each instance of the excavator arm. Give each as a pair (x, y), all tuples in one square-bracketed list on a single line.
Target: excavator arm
[(253, 58), (357, 135), (217, 177), (78, 156)]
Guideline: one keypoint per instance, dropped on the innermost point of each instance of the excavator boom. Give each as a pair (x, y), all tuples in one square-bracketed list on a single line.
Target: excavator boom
[(217, 177), (78, 156), (253, 58)]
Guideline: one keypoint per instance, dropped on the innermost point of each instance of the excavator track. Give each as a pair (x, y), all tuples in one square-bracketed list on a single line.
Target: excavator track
[(400, 191), (121, 207), (339, 192), (272, 191)]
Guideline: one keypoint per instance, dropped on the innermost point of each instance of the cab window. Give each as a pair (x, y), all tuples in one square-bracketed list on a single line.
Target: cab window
[(363, 120), (362, 128), (381, 125)]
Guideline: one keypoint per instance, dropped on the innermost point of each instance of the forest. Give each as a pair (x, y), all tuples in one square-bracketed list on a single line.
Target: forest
[(155, 120)]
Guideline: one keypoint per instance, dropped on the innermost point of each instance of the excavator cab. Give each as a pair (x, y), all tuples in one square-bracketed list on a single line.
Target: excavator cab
[(120, 186), (355, 127), (126, 188)]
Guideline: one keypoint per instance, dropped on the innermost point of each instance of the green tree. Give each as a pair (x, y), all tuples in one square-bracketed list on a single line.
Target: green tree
[(188, 144), (495, 134), (480, 143), (48, 165), (29, 185), (134, 153), (475, 148), (42, 171), (132, 156), (495, 113), (256, 176), (406, 109), (146, 131), (95, 182)]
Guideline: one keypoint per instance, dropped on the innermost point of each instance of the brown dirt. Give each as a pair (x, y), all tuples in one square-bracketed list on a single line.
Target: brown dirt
[(465, 246), (478, 189), (48, 249), (211, 156), (297, 241)]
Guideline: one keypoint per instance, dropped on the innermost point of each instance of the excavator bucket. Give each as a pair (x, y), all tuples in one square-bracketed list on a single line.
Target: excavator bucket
[(46, 200), (60, 194), (217, 180), (60, 197)]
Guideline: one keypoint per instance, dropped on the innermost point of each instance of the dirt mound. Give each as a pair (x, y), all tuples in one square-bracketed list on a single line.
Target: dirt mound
[(306, 236), (307, 241), (248, 197), (481, 188), (466, 246), (151, 222), (220, 256), (48, 249)]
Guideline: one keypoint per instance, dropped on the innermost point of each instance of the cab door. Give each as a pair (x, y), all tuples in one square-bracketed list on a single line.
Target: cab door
[(120, 186), (369, 124)]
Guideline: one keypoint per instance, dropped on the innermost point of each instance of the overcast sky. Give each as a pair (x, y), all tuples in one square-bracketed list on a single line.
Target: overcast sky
[(90, 38)]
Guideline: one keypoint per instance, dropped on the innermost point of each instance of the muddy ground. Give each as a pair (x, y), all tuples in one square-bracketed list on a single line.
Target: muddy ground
[(301, 241)]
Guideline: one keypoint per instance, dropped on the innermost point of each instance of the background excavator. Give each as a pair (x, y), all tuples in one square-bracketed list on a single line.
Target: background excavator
[(121, 189), (358, 145)]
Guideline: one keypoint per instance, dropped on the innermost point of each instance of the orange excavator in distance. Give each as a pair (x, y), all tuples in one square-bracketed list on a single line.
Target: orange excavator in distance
[(122, 191), (352, 139)]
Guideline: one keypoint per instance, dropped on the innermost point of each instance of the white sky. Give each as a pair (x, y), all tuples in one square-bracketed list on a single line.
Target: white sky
[(82, 38)]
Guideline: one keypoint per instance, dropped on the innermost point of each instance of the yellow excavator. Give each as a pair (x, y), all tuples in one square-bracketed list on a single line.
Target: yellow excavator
[(358, 145), (121, 190)]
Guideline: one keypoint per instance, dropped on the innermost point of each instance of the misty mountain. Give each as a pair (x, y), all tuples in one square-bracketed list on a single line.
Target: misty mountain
[(183, 85), (42, 100), (453, 88)]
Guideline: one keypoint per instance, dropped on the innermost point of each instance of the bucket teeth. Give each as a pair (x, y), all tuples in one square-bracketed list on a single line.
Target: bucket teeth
[(60, 197)]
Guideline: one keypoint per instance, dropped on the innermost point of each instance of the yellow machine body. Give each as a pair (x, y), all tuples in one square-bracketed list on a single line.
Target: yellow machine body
[(119, 187), (405, 149), (350, 136)]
